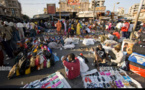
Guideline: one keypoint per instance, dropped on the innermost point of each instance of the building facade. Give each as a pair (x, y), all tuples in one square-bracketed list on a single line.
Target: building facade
[(13, 8), (134, 8), (98, 3), (65, 7)]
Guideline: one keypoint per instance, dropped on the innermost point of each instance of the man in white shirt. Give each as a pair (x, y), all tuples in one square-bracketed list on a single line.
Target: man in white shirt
[(20, 29), (110, 36), (130, 29), (119, 26)]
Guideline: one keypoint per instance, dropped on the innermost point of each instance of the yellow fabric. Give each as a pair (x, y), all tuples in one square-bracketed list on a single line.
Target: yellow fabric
[(35, 50), (78, 29), (27, 71)]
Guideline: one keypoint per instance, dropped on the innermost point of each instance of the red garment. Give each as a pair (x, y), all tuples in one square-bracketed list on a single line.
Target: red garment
[(117, 34), (1, 58), (125, 29), (73, 68)]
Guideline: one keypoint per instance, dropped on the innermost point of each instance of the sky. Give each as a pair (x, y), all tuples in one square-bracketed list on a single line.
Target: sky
[(33, 7)]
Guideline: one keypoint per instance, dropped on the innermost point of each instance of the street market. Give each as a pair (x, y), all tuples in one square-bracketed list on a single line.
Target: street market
[(73, 49)]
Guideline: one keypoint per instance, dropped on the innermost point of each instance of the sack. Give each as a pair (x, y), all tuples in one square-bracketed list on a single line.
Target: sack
[(83, 66), (55, 58), (32, 61), (37, 60), (102, 38), (88, 42), (68, 46), (139, 48), (28, 71), (12, 71), (113, 56), (85, 59)]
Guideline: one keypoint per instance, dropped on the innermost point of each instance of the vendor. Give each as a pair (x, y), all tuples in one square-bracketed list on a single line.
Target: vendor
[(100, 55), (118, 54), (72, 66)]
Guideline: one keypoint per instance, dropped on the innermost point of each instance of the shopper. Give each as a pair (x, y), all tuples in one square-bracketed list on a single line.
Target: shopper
[(58, 26), (72, 66), (20, 29), (78, 29), (130, 29), (124, 29)]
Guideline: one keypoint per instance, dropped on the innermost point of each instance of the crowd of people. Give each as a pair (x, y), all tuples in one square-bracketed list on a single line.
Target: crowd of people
[(13, 32)]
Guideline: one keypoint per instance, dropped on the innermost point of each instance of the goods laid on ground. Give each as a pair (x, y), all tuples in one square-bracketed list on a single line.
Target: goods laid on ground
[(55, 80), (108, 77), (35, 56)]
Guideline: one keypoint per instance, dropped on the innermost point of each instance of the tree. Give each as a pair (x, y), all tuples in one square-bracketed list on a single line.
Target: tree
[(26, 18)]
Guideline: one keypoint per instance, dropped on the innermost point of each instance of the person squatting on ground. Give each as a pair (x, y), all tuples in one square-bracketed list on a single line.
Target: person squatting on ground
[(72, 66)]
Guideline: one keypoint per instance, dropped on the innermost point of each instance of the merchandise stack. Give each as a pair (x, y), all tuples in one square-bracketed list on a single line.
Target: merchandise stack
[(55, 80), (108, 77)]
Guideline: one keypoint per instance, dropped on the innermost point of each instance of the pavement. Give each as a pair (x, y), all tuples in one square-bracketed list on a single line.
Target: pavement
[(20, 81)]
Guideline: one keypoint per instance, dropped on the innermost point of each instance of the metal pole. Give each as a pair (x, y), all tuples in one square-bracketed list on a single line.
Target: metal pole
[(114, 7), (136, 19)]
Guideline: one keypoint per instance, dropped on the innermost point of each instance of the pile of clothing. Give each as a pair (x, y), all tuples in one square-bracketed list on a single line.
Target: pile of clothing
[(35, 55)]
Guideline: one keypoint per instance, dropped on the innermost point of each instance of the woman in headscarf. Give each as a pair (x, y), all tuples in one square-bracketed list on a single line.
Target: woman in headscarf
[(58, 26), (78, 29)]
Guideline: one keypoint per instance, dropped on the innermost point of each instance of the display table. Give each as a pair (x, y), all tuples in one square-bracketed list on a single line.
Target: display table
[(55, 80), (108, 77)]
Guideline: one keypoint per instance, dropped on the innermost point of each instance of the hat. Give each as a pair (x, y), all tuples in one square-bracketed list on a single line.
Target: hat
[(11, 24), (6, 23)]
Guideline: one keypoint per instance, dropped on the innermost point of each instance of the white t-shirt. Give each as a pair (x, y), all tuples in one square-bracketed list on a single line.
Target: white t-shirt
[(110, 36), (130, 28), (119, 25), (20, 25)]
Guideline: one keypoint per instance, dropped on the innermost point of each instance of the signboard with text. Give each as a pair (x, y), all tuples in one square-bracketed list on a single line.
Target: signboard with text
[(100, 8), (74, 2), (51, 9)]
